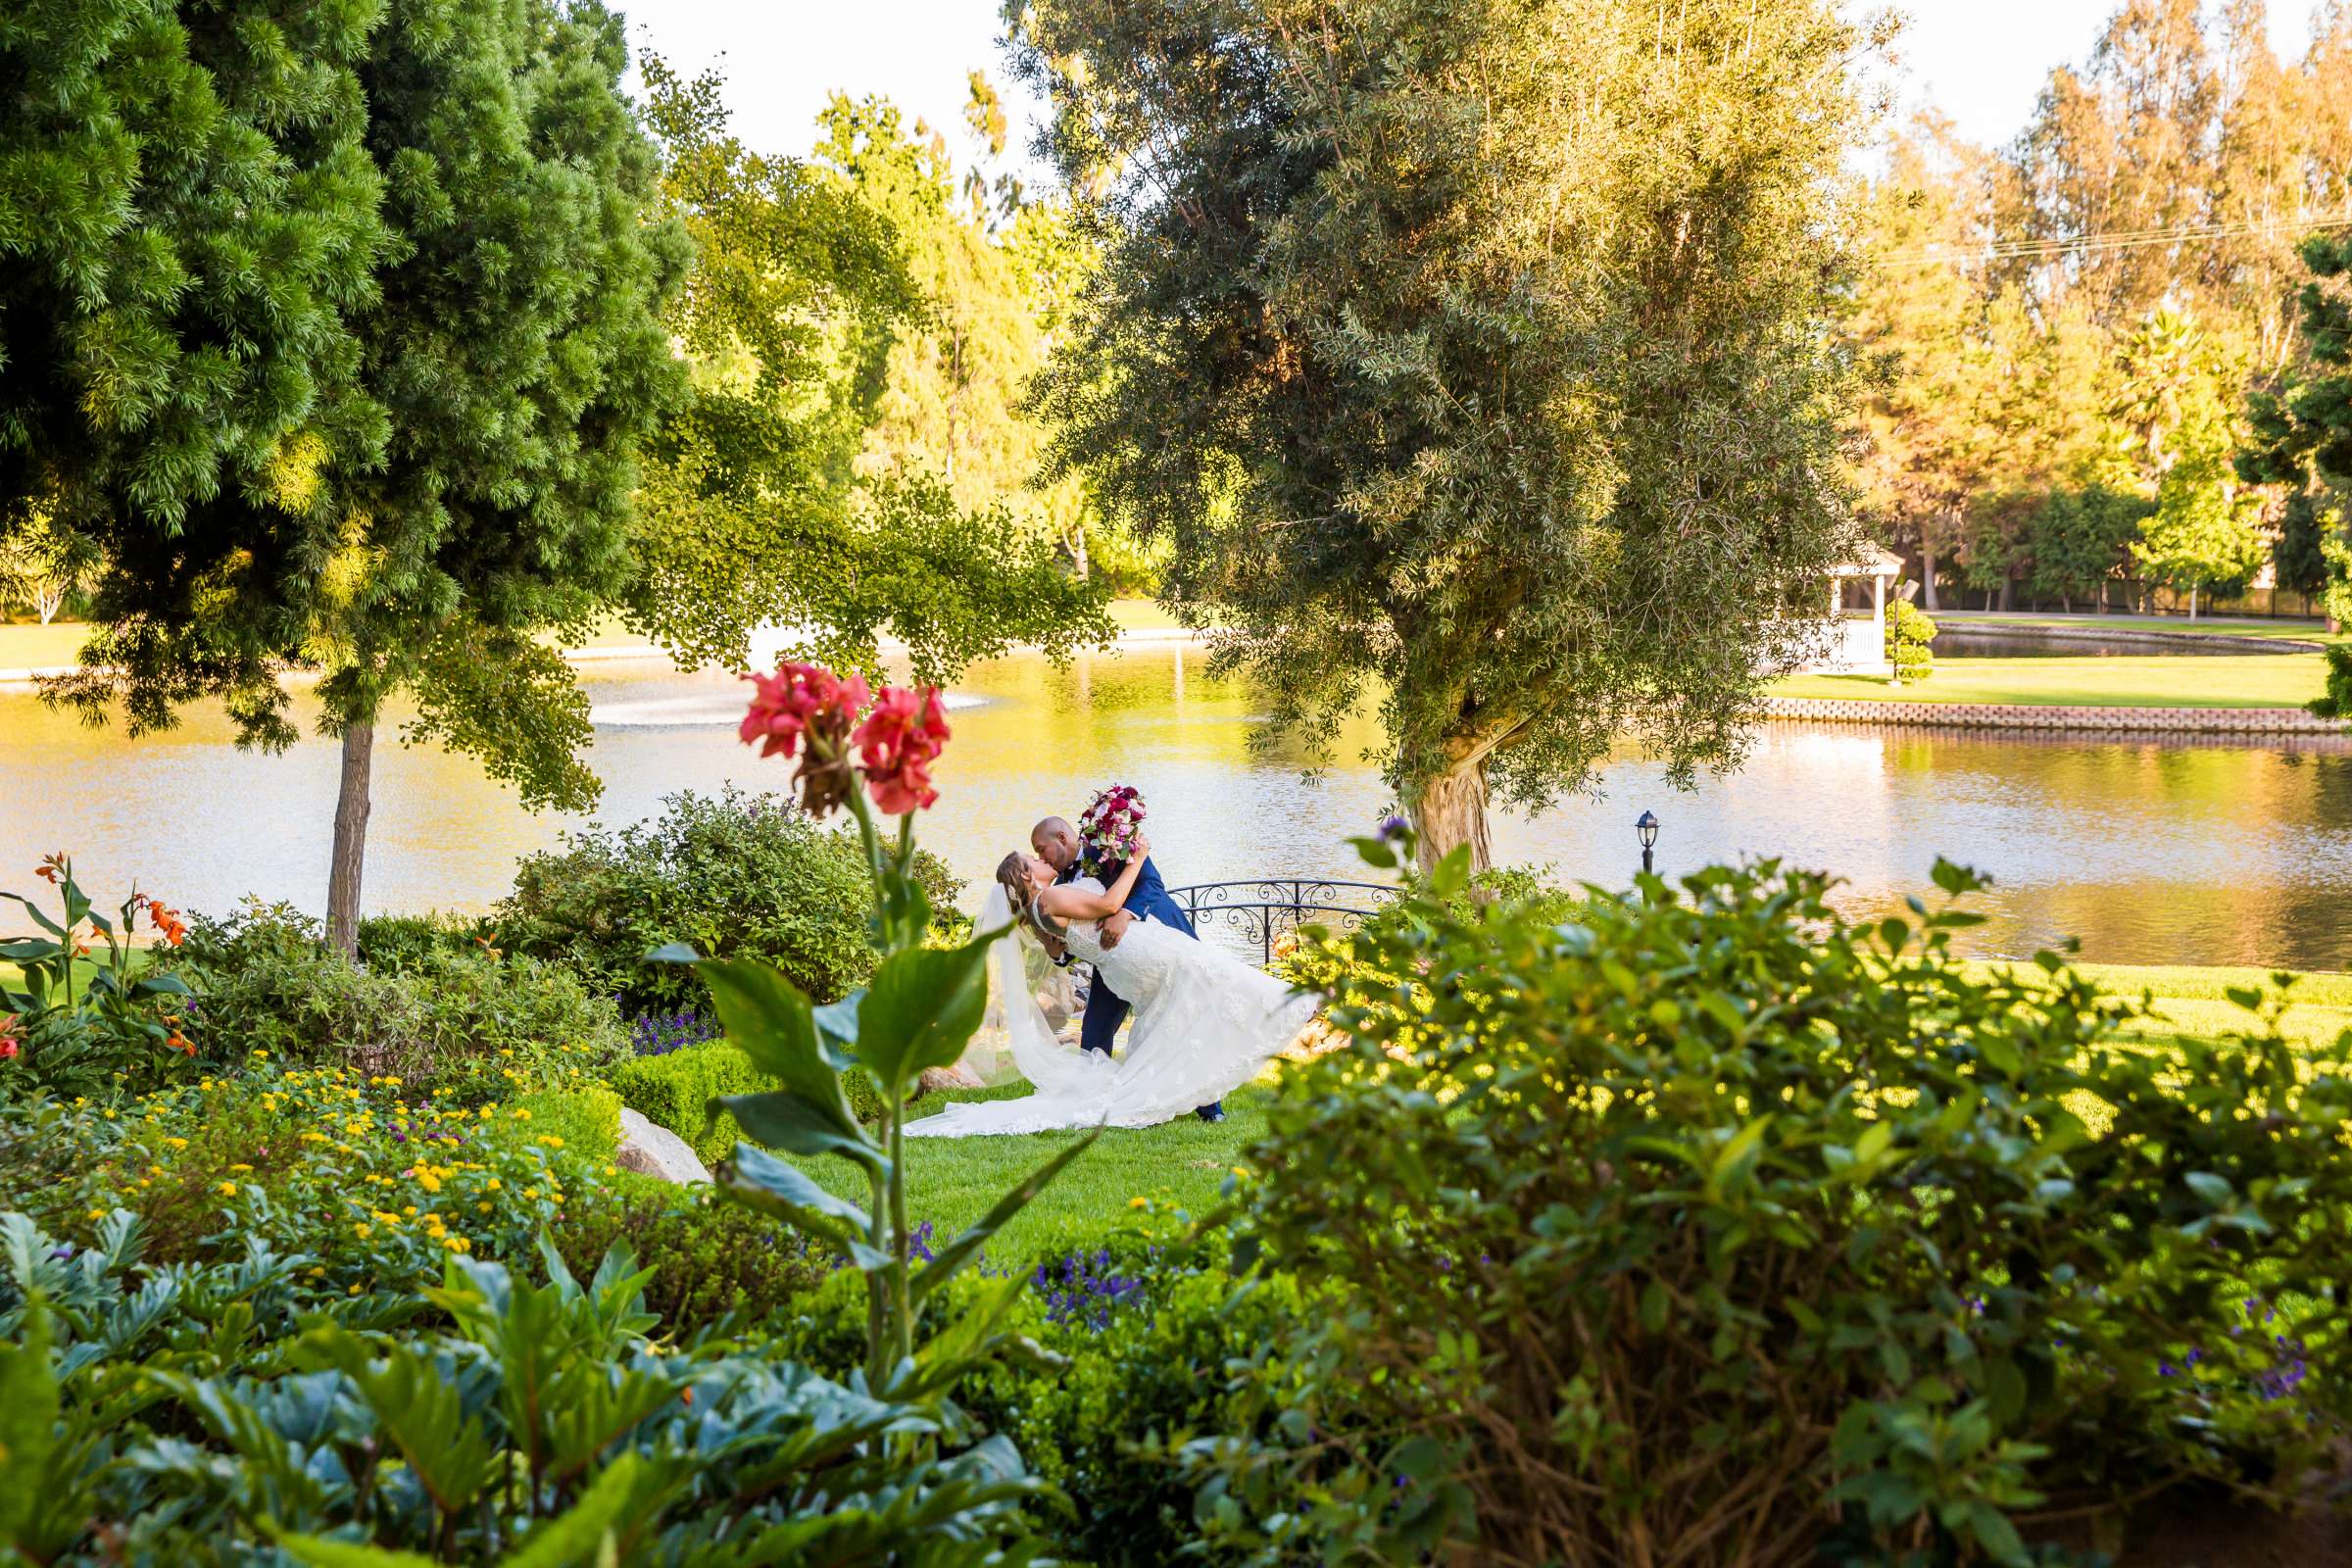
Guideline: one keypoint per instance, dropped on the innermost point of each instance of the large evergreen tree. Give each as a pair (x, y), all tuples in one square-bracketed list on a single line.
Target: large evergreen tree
[(514, 351), (187, 216), (1471, 353)]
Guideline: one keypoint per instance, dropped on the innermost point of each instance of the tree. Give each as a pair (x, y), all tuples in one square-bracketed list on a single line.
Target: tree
[(2080, 538), (512, 346), (2179, 420), (186, 217), (2299, 436), (754, 509), (42, 564), (1471, 353)]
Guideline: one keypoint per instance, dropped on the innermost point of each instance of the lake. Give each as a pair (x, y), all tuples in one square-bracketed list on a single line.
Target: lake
[(2151, 851)]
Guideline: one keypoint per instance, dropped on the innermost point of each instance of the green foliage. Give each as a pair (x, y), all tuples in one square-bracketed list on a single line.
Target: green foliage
[(404, 941), (543, 1431), (80, 1022), (710, 1263), (733, 875), (2336, 701), (371, 1187), (2181, 419), (191, 219), (752, 513), (460, 1022), (1910, 640), (1480, 351), (2082, 536), (1779, 1204), (585, 1114), (674, 1088)]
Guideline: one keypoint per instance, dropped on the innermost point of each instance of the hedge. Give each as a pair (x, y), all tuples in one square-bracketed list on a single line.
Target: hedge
[(673, 1091), (587, 1117)]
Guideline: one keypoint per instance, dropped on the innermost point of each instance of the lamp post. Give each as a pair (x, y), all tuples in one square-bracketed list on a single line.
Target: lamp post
[(1645, 827)]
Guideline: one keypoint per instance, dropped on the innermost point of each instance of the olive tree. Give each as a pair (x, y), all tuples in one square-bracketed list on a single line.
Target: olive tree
[(1474, 355)]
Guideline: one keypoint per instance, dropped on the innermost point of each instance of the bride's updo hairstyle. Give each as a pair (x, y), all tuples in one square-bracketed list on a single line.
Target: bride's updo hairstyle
[(1012, 876)]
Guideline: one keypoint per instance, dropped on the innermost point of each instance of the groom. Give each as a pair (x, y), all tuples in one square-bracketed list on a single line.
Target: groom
[(1055, 843)]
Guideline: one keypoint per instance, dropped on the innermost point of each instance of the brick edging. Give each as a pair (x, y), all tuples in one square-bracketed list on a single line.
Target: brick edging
[(2036, 715)]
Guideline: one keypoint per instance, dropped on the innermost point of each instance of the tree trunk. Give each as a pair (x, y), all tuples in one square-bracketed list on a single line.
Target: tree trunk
[(2006, 584), (351, 839), (1926, 575), (2192, 604), (1451, 810)]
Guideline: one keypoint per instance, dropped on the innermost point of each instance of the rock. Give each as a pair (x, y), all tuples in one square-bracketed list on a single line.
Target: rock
[(656, 1151), (932, 1080)]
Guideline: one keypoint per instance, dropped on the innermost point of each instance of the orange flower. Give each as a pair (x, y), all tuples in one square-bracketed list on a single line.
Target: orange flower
[(51, 867)]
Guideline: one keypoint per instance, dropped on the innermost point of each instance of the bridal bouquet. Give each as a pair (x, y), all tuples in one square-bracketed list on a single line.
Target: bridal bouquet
[(1110, 824)]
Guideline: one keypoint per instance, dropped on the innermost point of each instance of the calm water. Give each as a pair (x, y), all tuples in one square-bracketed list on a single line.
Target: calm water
[(1973, 641), (2157, 852)]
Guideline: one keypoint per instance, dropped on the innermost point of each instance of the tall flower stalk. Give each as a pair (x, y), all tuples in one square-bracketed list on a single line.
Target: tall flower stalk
[(868, 753)]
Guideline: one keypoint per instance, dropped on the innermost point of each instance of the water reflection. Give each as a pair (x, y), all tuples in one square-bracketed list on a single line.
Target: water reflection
[(2151, 851)]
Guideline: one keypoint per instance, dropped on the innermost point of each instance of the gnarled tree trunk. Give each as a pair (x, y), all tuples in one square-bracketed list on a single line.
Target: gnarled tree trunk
[(1450, 808), (351, 838)]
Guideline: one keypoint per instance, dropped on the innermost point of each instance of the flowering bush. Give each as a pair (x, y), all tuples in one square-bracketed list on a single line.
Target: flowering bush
[(79, 1021), (1108, 827), (657, 1034), (372, 1181), (466, 1019)]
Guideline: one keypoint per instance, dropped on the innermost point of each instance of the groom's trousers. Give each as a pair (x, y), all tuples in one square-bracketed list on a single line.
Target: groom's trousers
[(1105, 1012)]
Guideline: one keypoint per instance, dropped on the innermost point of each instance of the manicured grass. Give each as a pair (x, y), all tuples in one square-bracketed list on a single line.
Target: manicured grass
[(2195, 1001), (2313, 630), (954, 1181), (2247, 680)]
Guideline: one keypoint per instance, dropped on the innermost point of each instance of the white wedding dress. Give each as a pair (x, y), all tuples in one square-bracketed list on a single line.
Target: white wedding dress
[(1204, 1023)]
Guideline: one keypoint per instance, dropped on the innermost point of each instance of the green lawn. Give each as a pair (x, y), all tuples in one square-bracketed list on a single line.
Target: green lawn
[(2222, 626), (2234, 680)]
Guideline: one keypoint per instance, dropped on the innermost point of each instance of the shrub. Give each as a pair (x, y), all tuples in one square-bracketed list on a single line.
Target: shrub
[(1690, 1214), (1910, 640), (585, 1116), (674, 1088), (708, 1261), (83, 1015), (405, 941), (372, 1184), (734, 876), (462, 1020)]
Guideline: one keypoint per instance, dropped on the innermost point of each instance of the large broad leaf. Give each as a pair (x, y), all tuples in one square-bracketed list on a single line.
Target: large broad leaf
[(28, 1406), (576, 1536), (793, 1125), (772, 1022), (758, 1178), (316, 1551), (837, 1024), (922, 1009), (965, 1246)]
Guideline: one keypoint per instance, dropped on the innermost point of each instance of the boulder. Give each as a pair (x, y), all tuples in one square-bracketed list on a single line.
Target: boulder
[(651, 1150), (932, 1080)]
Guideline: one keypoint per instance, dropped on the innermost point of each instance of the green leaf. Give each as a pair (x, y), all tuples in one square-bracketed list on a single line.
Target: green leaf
[(772, 1022), (578, 1533), (28, 1406), (316, 1551), (1375, 851), (758, 1178), (966, 1245), (790, 1123), (2215, 1190), (922, 1009), (1738, 1154), (675, 952)]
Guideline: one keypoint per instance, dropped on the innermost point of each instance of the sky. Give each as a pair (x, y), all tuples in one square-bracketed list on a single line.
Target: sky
[(1980, 60)]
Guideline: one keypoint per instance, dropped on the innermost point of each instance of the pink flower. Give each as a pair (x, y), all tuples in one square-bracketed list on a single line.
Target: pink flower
[(811, 701), (897, 743)]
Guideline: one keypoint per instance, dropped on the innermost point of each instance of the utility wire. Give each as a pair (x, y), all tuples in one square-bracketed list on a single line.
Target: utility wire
[(2114, 240)]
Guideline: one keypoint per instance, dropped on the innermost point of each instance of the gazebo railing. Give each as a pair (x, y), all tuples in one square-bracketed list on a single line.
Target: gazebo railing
[(1260, 910)]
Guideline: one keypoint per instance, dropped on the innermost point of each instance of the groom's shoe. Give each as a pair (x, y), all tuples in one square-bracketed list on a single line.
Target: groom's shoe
[(1215, 1112)]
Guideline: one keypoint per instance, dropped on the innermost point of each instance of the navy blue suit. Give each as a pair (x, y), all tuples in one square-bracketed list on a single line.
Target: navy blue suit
[(1104, 1012)]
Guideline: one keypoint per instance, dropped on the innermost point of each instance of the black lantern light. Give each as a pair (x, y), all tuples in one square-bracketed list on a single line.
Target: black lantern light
[(1646, 826)]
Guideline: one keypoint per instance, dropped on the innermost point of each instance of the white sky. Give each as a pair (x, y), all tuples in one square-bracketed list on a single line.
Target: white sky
[(1981, 60)]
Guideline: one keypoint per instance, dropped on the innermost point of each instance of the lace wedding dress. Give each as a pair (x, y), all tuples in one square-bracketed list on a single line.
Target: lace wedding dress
[(1205, 1023)]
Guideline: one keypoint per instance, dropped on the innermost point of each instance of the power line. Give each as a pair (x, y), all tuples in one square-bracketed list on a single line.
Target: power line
[(2114, 240)]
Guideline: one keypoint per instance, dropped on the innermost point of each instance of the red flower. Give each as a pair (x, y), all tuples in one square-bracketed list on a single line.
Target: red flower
[(51, 867), (807, 700), (897, 743), (168, 924), (7, 1036)]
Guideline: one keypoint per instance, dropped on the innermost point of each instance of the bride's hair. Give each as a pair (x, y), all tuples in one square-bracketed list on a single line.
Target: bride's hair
[(1012, 876)]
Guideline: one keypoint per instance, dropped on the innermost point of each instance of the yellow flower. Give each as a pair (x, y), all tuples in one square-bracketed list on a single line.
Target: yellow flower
[(316, 1273), (519, 1114), (530, 1191), (229, 1189), (492, 1184), (487, 1111), (550, 1141), (108, 1114), (1139, 1203), (240, 1167), (354, 1290), (485, 1205), (97, 1213), (411, 1211), (363, 1231)]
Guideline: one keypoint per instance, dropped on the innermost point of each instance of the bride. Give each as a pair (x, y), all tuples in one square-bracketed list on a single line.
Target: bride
[(1205, 1021)]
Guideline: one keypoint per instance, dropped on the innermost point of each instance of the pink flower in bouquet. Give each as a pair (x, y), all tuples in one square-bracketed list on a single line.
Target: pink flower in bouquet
[(897, 743), (1108, 825)]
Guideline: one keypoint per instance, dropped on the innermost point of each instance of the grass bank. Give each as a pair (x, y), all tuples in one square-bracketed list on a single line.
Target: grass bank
[(2156, 680), (2312, 630)]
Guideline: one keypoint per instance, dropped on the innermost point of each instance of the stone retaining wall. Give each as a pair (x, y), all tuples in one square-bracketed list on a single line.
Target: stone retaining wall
[(2033, 716)]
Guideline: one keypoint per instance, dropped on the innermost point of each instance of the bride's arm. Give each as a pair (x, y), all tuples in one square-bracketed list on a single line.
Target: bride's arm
[(1077, 904)]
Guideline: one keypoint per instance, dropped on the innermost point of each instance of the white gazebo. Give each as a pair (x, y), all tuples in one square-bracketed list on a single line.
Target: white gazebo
[(1852, 637)]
